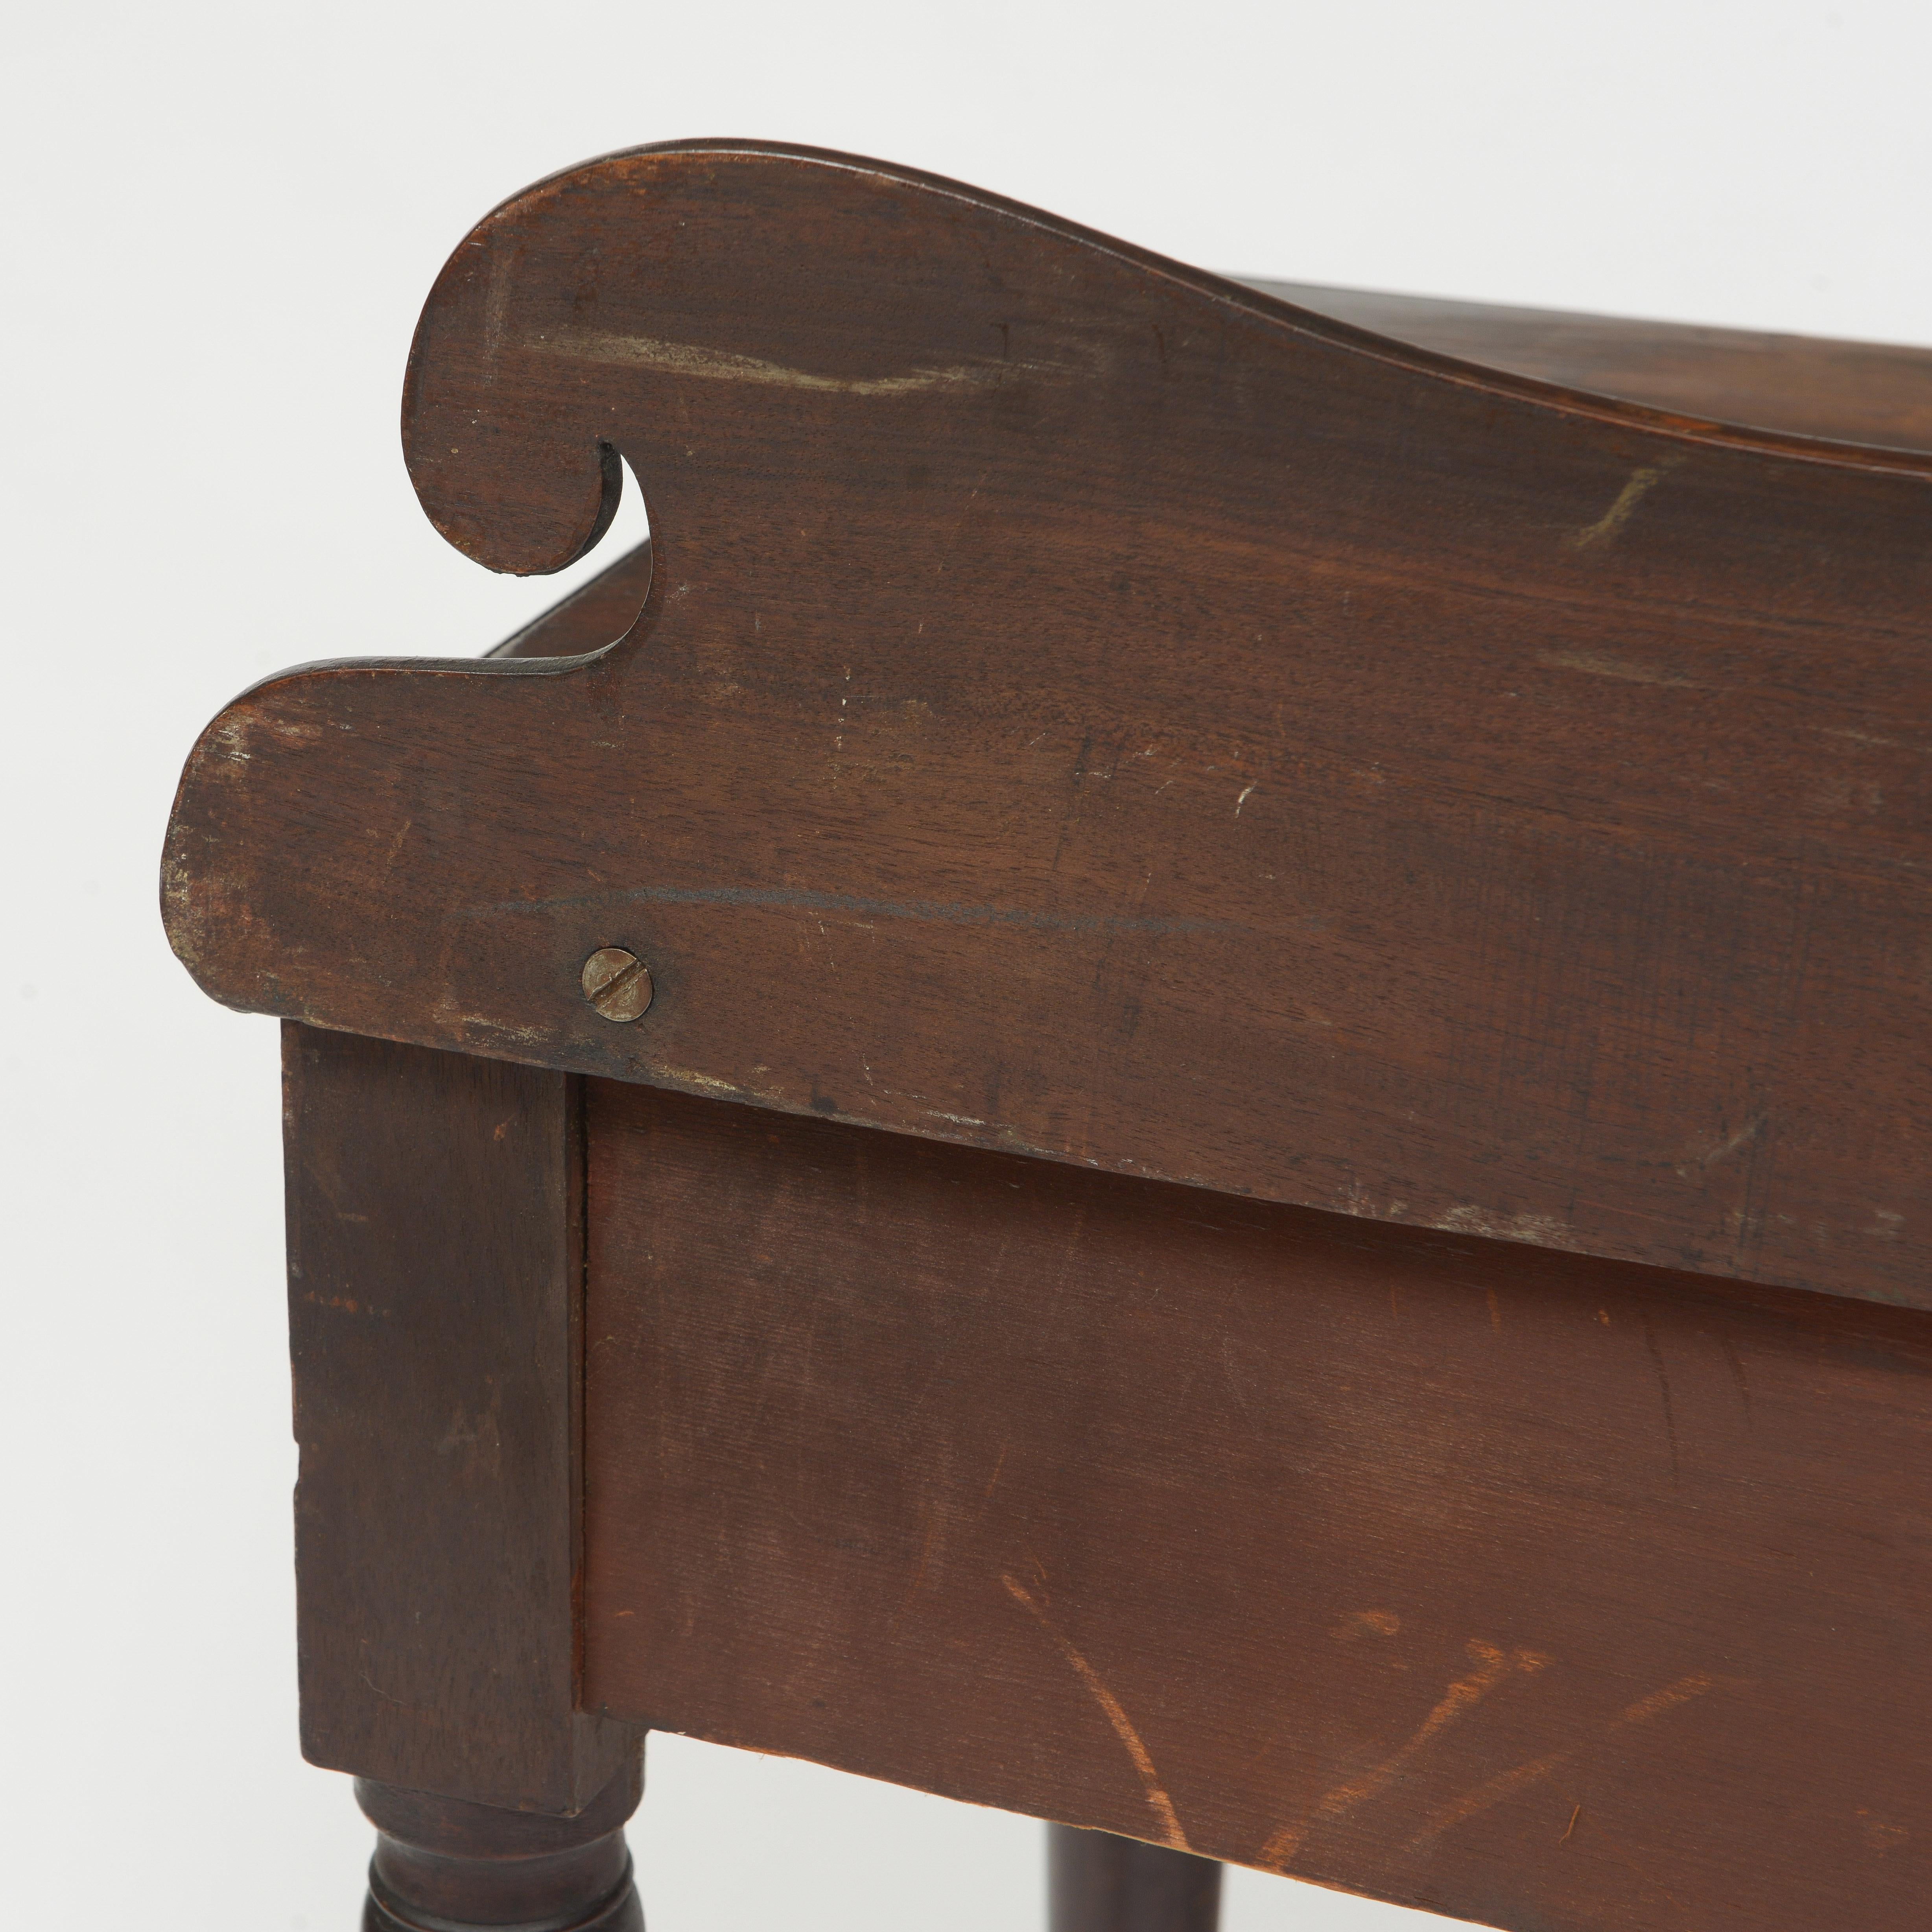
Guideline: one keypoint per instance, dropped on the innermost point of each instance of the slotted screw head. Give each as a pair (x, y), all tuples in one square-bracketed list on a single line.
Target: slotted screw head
[(617, 983)]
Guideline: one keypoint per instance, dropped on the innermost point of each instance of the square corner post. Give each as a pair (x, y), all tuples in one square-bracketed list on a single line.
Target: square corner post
[(436, 1286)]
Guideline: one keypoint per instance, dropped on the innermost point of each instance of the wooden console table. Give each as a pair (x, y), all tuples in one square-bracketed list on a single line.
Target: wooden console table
[(1175, 1078)]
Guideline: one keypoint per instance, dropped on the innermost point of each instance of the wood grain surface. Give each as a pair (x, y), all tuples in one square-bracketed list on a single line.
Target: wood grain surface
[(1088, 708), (1879, 393), (1868, 392), (435, 1235), (1556, 1593)]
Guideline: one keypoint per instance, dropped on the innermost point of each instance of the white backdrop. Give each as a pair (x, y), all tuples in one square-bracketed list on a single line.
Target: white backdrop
[(221, 221)]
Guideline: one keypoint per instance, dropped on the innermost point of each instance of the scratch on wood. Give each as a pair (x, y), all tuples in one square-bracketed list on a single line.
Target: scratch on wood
[(719, 365), (381, 1693), (1664, 1389), (362, 1671), (1507, 1784), (1751, 1128), (483, 1023), (1866, 738), (789, 899), (1122, 1726), (704, 1082), (1465, 1694), (1382, 1623), (497, 311), (1642, 482), (1709, 1156), (1597, 665), (1542, 1231), (935, 1530), (1880, 1834), (1736, 1362)]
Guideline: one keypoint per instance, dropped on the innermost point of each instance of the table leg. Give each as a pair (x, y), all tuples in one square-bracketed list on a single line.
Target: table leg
[(443, 1865), (1098, 1883)]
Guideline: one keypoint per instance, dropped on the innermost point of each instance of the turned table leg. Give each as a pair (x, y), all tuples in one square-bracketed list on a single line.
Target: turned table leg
[(1098, 1883), (444, 1865)]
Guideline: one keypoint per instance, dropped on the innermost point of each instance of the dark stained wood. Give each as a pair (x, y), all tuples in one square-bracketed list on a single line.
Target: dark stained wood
[(1862, 392), (1869, 392), (1096, 1881), (1087, 708), (435, 1236), (1560, 1594), (442, 1865)]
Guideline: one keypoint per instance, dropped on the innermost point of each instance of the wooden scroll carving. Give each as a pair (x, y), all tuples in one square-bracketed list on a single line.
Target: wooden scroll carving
[(1086, 707)]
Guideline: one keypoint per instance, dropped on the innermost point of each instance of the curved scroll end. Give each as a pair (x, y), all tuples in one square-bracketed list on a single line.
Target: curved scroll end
[(506, 463)]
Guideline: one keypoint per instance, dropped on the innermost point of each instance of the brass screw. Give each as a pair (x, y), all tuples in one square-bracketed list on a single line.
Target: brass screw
[(617, 983)]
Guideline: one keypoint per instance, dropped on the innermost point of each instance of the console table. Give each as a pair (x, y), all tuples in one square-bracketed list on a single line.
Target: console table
[(1175, 1077)]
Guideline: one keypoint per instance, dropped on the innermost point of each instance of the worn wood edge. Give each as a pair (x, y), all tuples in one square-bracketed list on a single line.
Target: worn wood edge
[(701, 1088), (580, 624), (219, 741), (1496, 336)]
